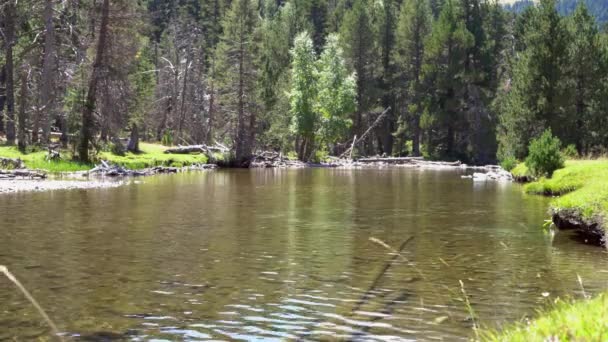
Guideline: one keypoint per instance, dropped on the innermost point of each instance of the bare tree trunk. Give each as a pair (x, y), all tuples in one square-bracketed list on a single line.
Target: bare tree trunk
[(240, 130), (9, 32), (22, 141), (46, 94), (87, 114), (2, 95), (182, 114), (133, 145)]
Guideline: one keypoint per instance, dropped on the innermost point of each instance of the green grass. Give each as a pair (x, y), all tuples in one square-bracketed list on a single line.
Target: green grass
[(151, 155), (585, 320), (582, 186), (520, 171)]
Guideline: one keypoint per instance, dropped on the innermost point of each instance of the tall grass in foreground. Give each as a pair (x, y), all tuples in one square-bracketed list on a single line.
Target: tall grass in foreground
[(585, 320), (465, 298), (32, 300)]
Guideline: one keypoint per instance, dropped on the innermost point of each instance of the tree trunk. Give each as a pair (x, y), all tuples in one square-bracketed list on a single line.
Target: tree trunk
[(416, 136), (240, 130), (9, 32), (46, 91), (22, 141), (133, 145), (87, 114), (182, 113), (2, 95)]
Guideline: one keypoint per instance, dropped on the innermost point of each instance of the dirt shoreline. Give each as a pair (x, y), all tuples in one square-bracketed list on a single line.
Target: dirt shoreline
[(590, 229)]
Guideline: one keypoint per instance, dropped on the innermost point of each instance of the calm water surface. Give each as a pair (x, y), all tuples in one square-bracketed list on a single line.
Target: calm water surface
[(285, 255)]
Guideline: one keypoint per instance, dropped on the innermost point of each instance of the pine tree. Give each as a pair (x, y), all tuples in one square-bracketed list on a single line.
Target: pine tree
[(445, 80), (237, 74), (357, 35), (586, 58), (415, 21), (538, 96)]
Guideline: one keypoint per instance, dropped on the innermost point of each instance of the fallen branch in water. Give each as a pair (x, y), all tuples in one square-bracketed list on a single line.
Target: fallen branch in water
[(386, 267), (29, 297)]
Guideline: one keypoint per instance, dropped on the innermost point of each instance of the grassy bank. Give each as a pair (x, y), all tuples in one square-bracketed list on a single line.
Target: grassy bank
[(582, 186), (151, 155), (582, 190), (585, 320)]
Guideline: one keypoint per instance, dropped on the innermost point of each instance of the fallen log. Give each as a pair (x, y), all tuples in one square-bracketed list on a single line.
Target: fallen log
[(10, 163), (187, 149), (23, 173), (391, 160), (364, 136)]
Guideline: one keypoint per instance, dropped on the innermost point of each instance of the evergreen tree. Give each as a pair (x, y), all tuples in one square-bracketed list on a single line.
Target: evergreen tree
[(237, 75), (357, 35), (445, 80), (539, 88), (415, 22)]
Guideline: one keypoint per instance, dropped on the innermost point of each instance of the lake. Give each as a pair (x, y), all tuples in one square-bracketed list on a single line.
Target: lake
[(286, 255)]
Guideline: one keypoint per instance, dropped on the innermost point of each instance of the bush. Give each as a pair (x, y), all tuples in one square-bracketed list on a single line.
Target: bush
[(508, 163), (544, 156), (570, 152)]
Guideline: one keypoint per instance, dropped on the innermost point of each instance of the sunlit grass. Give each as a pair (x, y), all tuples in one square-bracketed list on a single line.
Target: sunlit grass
[(582, 185), (520, 171), (37, 160), (585, 320), (151, 155)]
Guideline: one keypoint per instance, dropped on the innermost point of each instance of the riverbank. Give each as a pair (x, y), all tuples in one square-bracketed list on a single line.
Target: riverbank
[(151, 155), (581, 203), (568, 321)]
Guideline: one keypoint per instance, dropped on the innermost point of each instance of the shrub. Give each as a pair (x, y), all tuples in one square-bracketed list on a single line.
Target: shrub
[(570, 152), (544, 156), (508, 163)]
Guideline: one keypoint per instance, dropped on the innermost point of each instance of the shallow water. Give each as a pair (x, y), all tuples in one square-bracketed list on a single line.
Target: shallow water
[(285, 254)]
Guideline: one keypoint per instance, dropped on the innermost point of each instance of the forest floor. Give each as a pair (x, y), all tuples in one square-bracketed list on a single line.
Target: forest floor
[(151, 155)]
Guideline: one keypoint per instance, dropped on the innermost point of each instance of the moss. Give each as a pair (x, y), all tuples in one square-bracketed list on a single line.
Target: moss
[(568, 321), (151, 155)]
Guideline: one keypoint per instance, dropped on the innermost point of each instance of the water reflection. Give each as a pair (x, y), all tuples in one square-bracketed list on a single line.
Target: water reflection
[(284, 254)]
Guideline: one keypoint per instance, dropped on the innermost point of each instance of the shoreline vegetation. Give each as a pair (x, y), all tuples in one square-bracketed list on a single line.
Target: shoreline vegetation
[(580, 192)]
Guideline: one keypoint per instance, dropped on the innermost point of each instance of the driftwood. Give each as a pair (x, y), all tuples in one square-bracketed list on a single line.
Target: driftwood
[(22, 173), (197, 149), (376, 123), (106, 169), (9, 163)]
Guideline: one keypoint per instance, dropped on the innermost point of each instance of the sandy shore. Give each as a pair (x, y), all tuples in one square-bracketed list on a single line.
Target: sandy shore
[(28, 185)]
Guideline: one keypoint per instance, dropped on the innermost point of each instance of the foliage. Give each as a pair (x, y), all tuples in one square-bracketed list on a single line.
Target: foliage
[(151, 155), (567, 321), (323, 94), (544, 155), (509, 163), (336, 92), (570, 152)]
